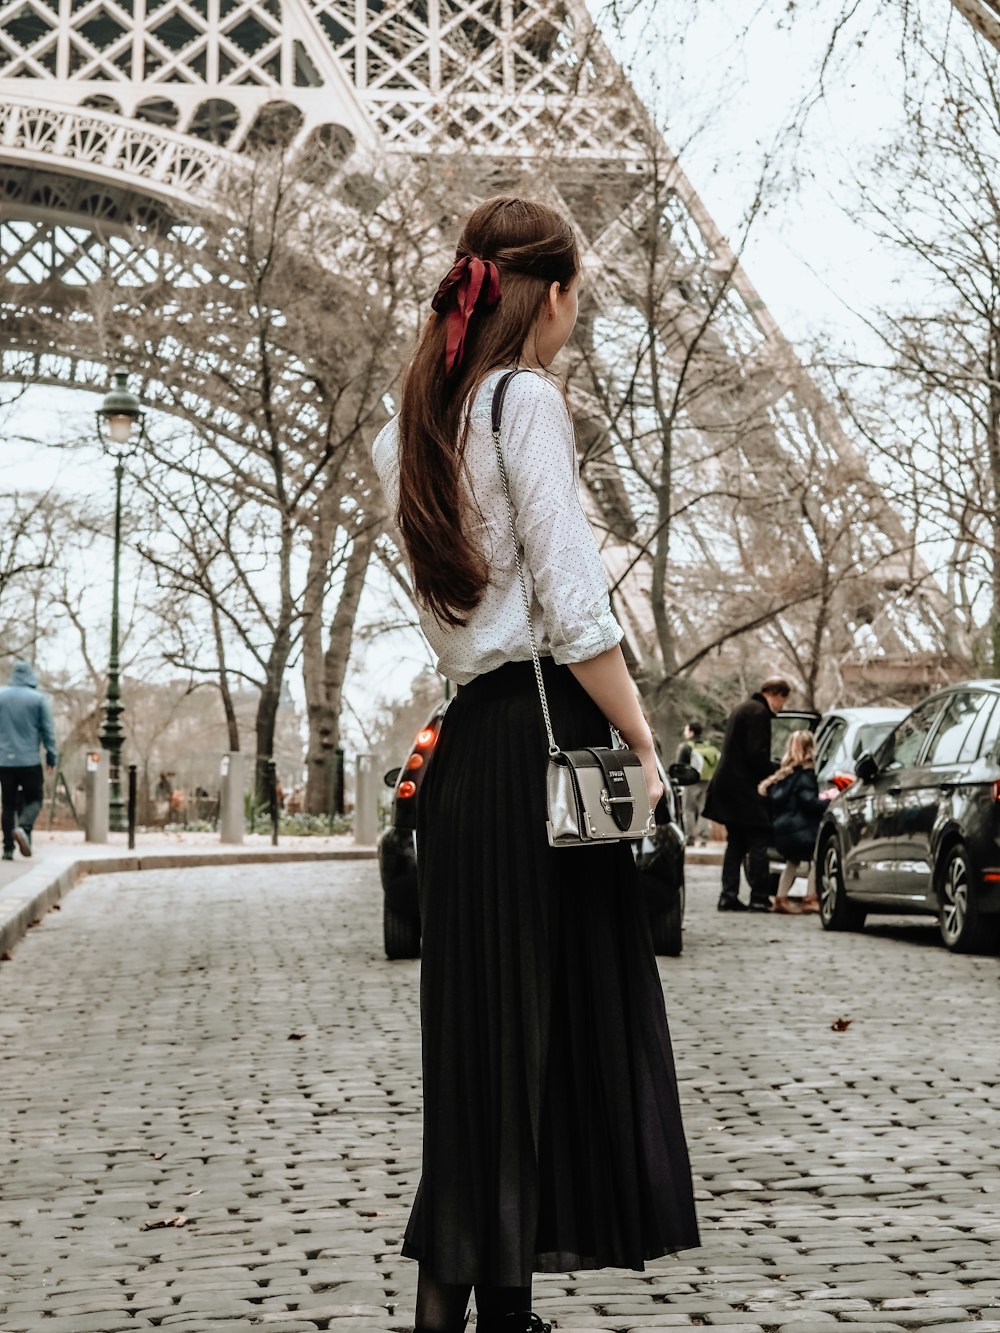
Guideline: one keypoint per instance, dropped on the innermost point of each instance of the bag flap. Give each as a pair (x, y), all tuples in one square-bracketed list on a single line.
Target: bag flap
[(613, 764), (591, 758)]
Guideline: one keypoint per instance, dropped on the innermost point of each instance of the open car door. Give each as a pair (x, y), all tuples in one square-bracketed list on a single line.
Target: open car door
[(787, 721)]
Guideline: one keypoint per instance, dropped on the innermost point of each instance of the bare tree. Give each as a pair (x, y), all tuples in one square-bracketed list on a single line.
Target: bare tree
[(933, 397), (31, 528), (735, 507), (290, 336)]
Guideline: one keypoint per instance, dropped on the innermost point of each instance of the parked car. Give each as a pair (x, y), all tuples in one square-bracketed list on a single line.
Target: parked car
[(397, 844), (659, 857), (919, 829), (844, 735)]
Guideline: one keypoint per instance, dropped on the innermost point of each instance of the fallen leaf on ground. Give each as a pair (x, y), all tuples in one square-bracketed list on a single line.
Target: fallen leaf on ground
[(157, 1156), (841, 1024), (296, 1036), (177, 1221)]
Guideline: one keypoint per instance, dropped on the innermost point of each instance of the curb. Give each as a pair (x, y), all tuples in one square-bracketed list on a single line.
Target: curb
[(32, 894), (704, 856)]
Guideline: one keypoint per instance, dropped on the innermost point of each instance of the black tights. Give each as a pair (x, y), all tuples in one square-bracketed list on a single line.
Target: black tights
[(441, 1306)]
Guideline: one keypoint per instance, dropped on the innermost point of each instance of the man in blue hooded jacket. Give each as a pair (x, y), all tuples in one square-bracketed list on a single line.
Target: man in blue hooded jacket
[(25, 726)]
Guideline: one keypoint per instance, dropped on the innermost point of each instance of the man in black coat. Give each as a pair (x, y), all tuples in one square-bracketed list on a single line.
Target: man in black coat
[(733, 800)]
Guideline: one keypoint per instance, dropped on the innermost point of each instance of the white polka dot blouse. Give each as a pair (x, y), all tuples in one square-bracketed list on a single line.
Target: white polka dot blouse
[(570, 607)]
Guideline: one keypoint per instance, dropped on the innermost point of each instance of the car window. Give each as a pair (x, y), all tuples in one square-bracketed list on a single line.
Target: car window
[(953, 726), (870, 736), (903, 747), (829, 741), (987, 745), (975, 743), (782, 726)]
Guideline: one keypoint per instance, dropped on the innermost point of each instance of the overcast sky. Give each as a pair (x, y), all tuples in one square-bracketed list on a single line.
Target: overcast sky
[(724, 93)]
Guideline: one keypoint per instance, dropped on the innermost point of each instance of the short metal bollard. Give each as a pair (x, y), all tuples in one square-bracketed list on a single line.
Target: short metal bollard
[(365, 802), (132, 792), (338, 781), (272, 799), (232, 816), (96, 795)]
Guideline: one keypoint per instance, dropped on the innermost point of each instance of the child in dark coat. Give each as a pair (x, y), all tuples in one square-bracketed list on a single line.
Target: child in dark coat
[(796, 808)]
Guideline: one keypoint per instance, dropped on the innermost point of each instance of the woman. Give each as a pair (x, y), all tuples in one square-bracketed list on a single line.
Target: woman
[(796, 808), (552, 1133)]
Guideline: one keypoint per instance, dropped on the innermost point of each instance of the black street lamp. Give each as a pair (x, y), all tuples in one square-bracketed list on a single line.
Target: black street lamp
[(117, 418)]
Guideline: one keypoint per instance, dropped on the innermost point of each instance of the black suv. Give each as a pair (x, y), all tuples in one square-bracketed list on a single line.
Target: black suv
[(919, 831), (660, 857)]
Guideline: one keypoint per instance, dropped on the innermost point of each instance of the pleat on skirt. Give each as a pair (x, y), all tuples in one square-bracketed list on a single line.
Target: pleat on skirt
[(552, 1136)]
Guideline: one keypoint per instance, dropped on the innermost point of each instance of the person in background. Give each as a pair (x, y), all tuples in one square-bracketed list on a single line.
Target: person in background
[(703, 756), (796, 807), (25, 728), (733, 798)]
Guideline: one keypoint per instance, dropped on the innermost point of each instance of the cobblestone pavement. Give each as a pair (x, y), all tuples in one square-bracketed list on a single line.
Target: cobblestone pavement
[(210, 1119)]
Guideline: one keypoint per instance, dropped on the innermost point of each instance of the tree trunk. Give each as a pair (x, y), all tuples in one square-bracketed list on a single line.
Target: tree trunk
[(325, 687), (274, 671), (993, 445), (811, 681), (232, 725), (265, 727)]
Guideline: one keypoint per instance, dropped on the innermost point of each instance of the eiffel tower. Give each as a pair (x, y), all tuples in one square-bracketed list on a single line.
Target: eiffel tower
[(113, 111), (984, 15)]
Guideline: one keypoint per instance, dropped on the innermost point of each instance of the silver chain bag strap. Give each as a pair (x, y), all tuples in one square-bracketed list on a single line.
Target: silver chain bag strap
[(593, 795)]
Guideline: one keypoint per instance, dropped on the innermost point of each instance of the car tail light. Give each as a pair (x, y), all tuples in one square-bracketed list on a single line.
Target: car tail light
[(996, 791), (842, 781), (412, 770)]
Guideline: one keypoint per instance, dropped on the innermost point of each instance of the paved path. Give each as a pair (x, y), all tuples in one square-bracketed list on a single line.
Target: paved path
[(231, 1048)]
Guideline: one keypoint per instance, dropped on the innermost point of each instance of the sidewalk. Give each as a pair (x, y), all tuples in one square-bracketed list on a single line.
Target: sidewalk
[(30, 886)]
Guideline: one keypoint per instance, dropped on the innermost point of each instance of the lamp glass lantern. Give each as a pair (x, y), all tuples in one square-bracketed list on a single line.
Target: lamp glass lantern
[(120, 413)]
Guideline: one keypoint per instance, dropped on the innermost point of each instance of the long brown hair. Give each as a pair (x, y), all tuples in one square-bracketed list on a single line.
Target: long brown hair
[(800, 752), (532, 246)]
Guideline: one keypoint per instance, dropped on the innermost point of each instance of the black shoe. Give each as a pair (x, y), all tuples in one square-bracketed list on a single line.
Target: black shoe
[(732, 905), (760, 904), (521, 1322), (23, 841), (9, 856)]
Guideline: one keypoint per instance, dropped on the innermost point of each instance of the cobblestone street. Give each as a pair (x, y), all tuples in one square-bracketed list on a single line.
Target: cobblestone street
[(210, 1111)]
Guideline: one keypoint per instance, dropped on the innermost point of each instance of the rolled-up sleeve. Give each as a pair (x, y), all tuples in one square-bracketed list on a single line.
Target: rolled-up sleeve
[(561, 556)]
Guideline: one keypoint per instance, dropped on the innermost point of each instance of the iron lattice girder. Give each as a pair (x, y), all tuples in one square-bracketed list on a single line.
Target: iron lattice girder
[(177, 96), (984, 15)]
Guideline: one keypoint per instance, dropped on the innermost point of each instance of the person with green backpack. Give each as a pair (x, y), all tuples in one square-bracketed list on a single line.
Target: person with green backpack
[(703, 756)]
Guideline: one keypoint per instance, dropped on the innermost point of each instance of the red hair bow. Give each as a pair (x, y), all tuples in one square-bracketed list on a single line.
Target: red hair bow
[(473, 281)]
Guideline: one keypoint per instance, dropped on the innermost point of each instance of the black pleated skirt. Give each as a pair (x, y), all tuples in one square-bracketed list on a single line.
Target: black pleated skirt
[(552, 1132)]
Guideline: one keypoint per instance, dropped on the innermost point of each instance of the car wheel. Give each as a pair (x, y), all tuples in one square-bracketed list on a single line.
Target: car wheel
[(400, 933), (963, 927), (668, 926), (836, 911)]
